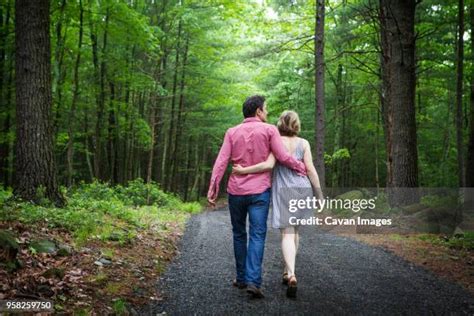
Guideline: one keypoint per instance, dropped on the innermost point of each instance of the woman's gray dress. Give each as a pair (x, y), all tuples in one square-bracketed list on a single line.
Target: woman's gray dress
[(288, 185)]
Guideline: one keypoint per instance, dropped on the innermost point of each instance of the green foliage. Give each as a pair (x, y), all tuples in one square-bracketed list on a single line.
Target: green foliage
[(340, 154), (41, 198), (192, 208), (437, 201), (139, 193), (382, 205), (4, 195), (119, 307), (464, 242), (97, 210), (235, 49), (93, 191)]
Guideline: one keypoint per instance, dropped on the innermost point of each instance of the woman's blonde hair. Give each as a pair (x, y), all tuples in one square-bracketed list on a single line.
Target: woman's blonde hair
[(289, 123)]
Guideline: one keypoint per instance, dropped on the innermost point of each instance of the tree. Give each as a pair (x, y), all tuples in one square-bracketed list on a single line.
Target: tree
[(459, 88), (6, 78), (152, 80), (319, 90), (470, 149), (35, 165), (75, 95), (397, 23)]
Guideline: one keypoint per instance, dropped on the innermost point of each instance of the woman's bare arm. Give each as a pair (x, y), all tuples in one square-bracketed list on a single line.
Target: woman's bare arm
[(312, 174), (260, 167)]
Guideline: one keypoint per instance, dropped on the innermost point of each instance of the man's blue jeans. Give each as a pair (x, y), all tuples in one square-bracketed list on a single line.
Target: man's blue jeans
[(248, 261)]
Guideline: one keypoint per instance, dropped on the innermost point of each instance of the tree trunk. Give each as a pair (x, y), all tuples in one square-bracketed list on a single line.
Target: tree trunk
[(35, 165), (128, 148), (459, 88), (197, 170), (86, 146), (319, 91), (75, 94), (397, 22), (4, 101), (9, 163), (152, 127), (163, 162), (112, 148), (185, 178), (100, 77), (336, 167), (179, 125), (171, 133), (159, 131), (346, 134), (470, 147), (60, 72), (377, 126)]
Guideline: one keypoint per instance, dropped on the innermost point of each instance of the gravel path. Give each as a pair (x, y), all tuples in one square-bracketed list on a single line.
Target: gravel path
[(336, 276)]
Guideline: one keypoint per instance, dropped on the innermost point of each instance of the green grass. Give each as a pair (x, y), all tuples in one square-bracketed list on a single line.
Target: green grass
[(107, 253), (99, 279), (119, 307), (396, 237), (465, 242), (100, 211)]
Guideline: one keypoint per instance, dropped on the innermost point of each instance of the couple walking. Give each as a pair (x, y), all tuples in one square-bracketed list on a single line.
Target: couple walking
[(255, 148)]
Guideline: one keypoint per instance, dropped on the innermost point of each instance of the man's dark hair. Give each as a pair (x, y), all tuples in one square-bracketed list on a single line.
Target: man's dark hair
[(251, 105)]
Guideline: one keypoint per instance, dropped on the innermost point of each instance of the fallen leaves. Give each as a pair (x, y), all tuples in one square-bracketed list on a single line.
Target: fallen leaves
[(74, 282)]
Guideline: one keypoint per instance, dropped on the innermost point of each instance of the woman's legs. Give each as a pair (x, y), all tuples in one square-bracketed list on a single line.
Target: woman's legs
[(297, 237), (289, 246)]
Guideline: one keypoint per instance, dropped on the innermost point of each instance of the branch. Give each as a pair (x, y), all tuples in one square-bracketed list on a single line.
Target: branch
[(280, 46), (368, 69)]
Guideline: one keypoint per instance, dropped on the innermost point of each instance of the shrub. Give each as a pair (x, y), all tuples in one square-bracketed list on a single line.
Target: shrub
[(98, 210)]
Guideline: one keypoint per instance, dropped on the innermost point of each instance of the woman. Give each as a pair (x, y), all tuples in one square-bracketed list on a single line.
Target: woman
[(285, 179)]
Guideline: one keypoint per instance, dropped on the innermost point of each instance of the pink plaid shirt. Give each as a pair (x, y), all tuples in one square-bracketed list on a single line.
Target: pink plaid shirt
[(247, 144)]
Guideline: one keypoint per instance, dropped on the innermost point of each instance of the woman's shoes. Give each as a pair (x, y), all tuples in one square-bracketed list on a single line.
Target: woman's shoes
[(291, 290), (284, 279)]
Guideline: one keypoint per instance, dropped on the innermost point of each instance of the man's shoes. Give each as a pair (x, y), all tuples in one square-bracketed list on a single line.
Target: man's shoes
[(239, 285), (254, 292)]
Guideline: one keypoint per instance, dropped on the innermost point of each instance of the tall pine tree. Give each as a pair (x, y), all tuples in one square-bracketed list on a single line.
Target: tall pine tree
[(35, 164)]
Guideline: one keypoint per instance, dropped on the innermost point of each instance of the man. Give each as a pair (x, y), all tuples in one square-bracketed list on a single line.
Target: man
[(247, 144)]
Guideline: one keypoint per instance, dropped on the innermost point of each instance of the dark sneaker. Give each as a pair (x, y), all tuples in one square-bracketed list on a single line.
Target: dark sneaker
[(239, 285), (254, 292)]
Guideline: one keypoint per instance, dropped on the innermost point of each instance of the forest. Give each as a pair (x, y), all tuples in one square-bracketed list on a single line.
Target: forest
[(112, 113), (147, 88)]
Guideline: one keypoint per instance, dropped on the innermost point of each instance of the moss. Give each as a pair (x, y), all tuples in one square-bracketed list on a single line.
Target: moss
[(43, 246)]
